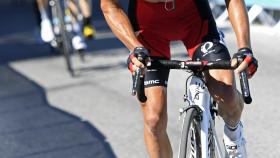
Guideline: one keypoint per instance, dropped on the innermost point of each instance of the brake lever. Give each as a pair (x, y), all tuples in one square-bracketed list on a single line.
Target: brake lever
[(244, 84), (135, 80)]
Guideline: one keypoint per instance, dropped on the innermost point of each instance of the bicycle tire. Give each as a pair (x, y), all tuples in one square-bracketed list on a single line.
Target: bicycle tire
[(211, 144), (191, 127), (56, 44), (66, 46)]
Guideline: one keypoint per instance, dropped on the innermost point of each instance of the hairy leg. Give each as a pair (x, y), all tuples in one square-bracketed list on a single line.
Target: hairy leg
[(155, 123), (221, 84)]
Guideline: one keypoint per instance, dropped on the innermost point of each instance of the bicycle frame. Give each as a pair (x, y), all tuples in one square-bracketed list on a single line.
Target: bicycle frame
[(198, 95)]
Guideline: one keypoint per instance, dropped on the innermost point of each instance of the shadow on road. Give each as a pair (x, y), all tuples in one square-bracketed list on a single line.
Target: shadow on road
[(31, 127)]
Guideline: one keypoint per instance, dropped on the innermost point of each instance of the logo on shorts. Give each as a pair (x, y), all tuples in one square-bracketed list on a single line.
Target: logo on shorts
[(207, 48), (151, 82)]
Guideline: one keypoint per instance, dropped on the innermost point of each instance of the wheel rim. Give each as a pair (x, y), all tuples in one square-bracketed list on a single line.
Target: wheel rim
[(193, 150)]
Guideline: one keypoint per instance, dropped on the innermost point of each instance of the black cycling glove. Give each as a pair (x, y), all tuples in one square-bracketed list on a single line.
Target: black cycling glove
[(246, 54), (141, 53)]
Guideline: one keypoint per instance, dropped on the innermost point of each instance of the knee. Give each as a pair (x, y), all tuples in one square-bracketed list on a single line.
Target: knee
[(155, 111), (221, 86), (231, 100), (154, 123)]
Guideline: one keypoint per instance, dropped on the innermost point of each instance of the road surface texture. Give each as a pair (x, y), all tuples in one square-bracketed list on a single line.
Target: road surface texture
[(45, 113)]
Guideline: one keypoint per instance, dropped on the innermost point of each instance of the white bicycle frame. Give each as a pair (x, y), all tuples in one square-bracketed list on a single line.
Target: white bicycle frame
[(198, 94)]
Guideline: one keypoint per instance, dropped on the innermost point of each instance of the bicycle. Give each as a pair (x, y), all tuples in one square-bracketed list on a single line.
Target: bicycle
[(63, 30), (198, 134)]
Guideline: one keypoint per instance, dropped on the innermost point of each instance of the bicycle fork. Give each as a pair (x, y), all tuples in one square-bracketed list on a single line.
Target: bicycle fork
[(199, 95)]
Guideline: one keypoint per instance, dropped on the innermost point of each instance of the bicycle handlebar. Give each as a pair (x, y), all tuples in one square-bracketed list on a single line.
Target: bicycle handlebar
[(138, 86), (244, 84), (138, 80)]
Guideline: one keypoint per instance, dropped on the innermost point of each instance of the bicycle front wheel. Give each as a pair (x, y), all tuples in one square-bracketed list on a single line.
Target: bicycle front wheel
[(190, 144), (66, 46)]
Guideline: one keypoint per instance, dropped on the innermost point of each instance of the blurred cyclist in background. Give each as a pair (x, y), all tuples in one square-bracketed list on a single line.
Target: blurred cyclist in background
[(44, 22)]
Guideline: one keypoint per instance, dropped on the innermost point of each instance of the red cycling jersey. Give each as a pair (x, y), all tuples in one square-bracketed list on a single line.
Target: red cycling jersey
[(191, 22)]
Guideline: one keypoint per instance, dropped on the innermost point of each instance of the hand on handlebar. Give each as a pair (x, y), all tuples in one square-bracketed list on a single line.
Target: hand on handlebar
[(245, 61), (138, 58), (137, 62)]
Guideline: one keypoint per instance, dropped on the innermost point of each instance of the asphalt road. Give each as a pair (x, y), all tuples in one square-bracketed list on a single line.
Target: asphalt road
[(47, 114)]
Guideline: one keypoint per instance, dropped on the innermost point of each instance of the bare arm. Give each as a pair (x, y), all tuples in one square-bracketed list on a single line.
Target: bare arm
[(240, 22), (119, 23), (239, 19)]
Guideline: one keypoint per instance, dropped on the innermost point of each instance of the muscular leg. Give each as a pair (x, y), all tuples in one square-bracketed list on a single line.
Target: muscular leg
[(155, 123), (221, 84), (73, 8), (85, 8), (42, 6)]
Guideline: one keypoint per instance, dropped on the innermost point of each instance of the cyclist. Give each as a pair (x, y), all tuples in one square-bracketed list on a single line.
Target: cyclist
[(150, 26)]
